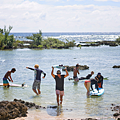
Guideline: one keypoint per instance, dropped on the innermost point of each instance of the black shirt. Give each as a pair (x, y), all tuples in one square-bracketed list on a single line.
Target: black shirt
[(59, 82), (88, 76)]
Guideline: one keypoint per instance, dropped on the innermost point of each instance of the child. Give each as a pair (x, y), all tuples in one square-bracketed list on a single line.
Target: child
[(37, 79), (59, 84), (8, 77)]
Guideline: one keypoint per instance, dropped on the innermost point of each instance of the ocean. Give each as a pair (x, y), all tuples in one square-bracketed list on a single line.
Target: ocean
[(75, 103)]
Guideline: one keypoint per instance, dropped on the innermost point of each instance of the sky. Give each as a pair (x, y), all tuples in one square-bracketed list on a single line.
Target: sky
[(60, 15)]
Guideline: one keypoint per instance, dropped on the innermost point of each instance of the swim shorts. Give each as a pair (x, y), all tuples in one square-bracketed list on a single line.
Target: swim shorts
[(36, 84), (58, 92), (5, 82), (76, 79), (87, 81)]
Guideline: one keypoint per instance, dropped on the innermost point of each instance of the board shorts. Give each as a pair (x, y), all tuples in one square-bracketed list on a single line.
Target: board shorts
[(99, 85), (87, 81), (5, 82), (76, 79), (58, 92), (36, 84)]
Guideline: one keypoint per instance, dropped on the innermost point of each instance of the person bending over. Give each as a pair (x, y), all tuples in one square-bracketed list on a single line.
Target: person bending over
[(8, 77)]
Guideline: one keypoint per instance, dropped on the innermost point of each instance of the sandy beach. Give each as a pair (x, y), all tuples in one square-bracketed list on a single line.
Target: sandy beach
[(42, 115)]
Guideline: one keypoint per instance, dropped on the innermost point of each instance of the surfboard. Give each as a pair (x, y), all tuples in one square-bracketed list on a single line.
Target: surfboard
[(15, 85), (95, 92), (59, 66)]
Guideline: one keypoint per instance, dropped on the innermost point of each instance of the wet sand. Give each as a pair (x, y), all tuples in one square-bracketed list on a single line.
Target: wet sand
[(42, 115)]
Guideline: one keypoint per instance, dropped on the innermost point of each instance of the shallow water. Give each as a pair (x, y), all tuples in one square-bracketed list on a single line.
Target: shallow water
[(99, 59)]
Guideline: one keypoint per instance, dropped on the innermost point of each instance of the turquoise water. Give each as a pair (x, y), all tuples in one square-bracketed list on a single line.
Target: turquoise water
[(99, 59)]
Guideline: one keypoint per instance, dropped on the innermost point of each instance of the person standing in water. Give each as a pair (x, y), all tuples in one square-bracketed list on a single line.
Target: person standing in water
[(59, 79), (8, 77), (37, 79), (75, 72)]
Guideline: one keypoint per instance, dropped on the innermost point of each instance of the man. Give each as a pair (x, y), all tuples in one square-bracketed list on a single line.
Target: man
[(99, 79), (59, 79), (37, 79), (75, 72), (8, 77)]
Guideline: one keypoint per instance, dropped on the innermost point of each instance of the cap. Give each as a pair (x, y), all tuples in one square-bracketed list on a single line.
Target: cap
[(58, 72), (99, 74), (36, 65)]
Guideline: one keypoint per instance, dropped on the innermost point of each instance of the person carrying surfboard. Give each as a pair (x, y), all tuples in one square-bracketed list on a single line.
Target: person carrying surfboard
[(37, 79), (8, 77), (59, 79), (75, 72)]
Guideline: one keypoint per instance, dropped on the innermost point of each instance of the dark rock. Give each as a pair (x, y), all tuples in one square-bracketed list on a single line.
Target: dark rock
[(115, 66), (11, 110), (81, 67), (116, 114)]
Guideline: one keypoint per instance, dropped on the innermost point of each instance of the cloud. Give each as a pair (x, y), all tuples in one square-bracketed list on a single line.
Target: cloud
[(26, 16), (109, 0)]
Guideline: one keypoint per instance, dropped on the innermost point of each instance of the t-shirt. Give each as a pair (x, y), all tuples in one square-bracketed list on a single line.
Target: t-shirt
[(100, 79), (59, 82), (37, 73)]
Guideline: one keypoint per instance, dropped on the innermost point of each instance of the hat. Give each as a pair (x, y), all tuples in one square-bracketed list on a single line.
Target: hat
[(58, 72), (99, 74), (36, 65)]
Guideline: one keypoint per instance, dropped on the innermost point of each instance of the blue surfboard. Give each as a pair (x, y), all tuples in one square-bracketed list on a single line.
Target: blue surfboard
[(96, 93)]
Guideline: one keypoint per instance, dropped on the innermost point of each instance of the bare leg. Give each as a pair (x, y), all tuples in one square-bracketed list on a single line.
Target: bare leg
[(58, 100), (39, 92), (87, 85), (61, 98), (35, 91)]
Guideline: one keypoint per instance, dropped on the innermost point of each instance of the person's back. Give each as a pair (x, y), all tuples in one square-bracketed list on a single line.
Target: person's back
[(37, 78)]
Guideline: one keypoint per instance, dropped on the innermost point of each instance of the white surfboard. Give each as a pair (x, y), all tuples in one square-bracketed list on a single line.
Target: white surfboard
[(15, 85), (59, 66), (96, 93)]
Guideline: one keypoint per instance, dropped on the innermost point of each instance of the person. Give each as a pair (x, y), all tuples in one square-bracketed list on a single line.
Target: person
[(89, 83), (37, 79), (88, 76), (8, 77), (59, 79), (99, 79), (75, 72)]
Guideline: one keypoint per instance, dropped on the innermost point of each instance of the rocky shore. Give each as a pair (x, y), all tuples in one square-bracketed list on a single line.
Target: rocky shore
[(116, 108), (99, 43), (18, 108)]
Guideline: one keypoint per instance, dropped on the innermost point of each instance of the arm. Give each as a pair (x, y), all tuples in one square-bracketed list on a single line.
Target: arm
[(78, 72), (44, 75), (52, 72), (10, 79), (66, 73), (30, 68)]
